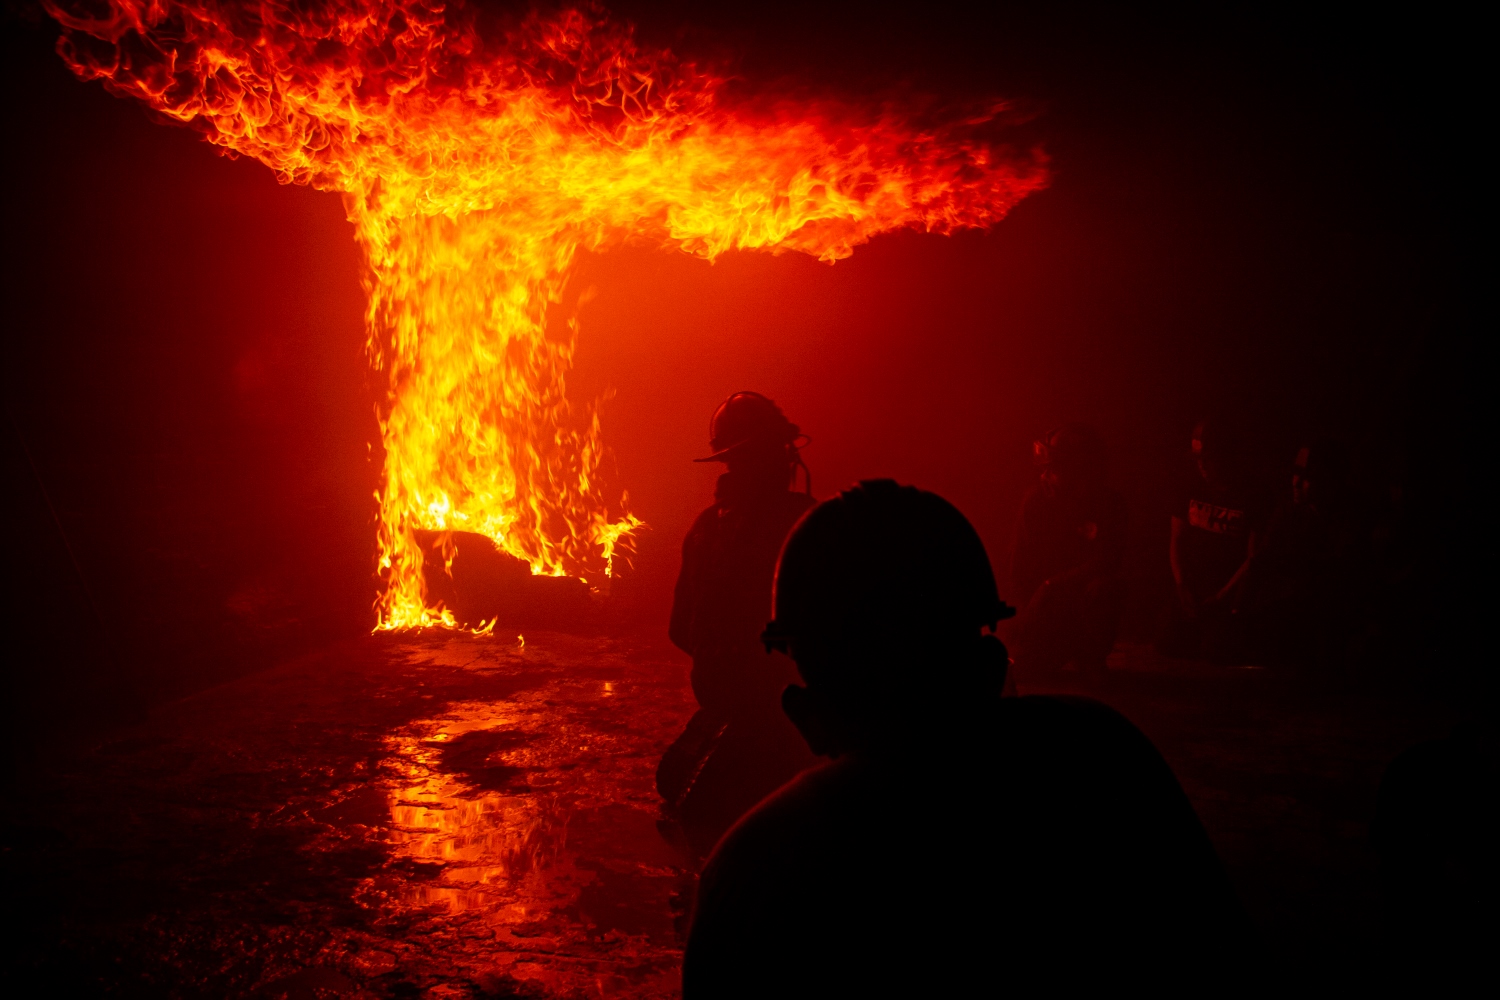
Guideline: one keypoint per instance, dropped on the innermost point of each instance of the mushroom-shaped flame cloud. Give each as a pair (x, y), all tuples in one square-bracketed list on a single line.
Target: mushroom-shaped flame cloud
[(474, 164)]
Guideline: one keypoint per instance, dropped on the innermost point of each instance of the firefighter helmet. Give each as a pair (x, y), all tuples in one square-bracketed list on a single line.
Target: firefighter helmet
[(746, 419), (883, 563)]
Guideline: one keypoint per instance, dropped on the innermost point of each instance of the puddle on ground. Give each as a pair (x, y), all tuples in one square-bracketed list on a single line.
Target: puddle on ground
[(527, 824), (487, 839)]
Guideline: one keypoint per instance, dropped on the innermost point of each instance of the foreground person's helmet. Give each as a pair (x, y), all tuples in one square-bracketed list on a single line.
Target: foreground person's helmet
[(883, 564), (747, 419)]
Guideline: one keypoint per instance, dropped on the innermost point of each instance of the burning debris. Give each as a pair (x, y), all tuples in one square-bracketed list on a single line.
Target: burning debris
[(474, 165)]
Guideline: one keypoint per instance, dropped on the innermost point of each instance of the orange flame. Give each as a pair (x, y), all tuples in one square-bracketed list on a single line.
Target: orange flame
[(473, 170)]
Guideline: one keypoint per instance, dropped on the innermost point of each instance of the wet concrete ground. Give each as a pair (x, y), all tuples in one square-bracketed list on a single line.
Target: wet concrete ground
[(438, 815), (447, 815)]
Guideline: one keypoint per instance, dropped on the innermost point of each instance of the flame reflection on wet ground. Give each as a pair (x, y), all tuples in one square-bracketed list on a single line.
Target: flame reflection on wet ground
[(534, 815), (429, 815)]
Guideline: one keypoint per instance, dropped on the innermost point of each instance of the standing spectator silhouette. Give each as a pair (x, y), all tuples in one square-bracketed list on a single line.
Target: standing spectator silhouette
[(1310, 578), (739, 746), (959, 842), (1066, 566), (1216, 523)]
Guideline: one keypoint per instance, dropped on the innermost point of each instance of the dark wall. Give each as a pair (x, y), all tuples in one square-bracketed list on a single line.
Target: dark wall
[(1255, 211), (183, 361)]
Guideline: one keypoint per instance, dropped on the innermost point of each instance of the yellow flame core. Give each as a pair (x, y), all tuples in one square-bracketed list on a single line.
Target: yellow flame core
[(473, 172)]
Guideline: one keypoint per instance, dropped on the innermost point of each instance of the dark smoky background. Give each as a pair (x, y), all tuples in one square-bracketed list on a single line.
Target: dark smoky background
[(1260, 211)]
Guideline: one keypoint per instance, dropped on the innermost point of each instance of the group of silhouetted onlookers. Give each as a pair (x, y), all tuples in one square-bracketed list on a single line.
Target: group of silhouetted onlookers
[(960, 840), (1272, 581), (955, 831), (1258, 576)]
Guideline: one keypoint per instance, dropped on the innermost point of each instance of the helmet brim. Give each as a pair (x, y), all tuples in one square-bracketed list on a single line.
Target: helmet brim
[(718, 456), (723, 454)]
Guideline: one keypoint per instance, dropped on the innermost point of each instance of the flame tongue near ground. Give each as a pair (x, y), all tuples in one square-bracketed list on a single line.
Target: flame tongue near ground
[(474, 168)]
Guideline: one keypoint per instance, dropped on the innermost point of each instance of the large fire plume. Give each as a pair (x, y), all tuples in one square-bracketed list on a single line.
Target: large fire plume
[(475, 160)]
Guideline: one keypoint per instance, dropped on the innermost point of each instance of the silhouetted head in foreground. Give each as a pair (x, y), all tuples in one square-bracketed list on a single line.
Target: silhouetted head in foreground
[(885, 599), (961, 842)]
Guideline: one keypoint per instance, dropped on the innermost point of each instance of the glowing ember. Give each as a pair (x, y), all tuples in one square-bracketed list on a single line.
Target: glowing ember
[(474, 167)]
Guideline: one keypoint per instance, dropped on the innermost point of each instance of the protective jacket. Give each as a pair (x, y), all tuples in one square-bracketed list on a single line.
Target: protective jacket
[(723, 596), (739, 746)]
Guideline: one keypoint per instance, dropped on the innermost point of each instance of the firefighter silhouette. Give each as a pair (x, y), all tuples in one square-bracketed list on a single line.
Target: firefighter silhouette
[(739, 746)]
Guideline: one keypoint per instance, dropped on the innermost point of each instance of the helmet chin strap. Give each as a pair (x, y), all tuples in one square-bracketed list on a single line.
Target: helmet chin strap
[(794, 447), (798, 463)]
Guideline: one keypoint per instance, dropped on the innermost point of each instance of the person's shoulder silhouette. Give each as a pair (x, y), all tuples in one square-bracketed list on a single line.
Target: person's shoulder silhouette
[(957, 838)]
